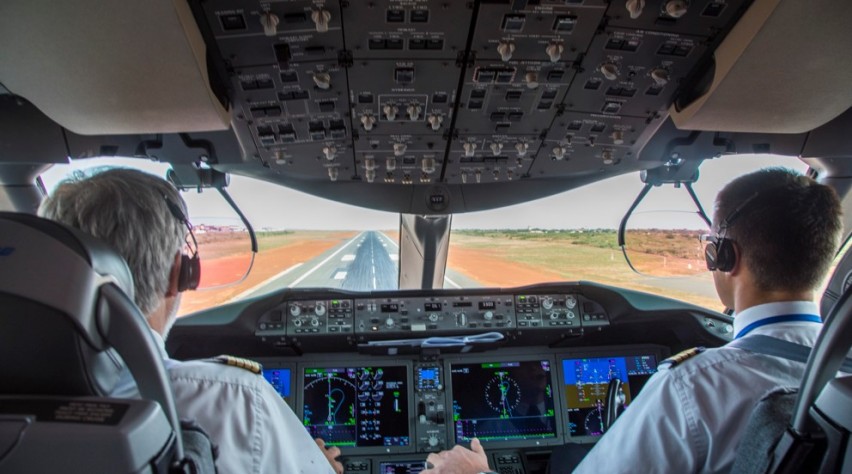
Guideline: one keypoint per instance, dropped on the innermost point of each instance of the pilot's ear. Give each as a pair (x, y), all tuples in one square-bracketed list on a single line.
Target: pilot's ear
[(738, 260), (174, 276)]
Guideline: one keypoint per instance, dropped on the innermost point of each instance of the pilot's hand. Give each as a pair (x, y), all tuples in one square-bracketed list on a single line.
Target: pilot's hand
[(458, 460), (331, 454)]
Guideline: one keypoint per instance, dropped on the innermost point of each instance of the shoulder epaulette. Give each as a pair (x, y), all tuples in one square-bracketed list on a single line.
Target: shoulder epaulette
[(679, 358), (250, 365)]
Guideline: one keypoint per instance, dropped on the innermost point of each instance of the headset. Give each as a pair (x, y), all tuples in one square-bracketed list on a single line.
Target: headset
[(719, 253), (190, 266)]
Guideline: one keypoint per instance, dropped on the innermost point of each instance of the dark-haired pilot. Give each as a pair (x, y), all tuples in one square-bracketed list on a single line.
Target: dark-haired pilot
[(781, 232), (143, 218)]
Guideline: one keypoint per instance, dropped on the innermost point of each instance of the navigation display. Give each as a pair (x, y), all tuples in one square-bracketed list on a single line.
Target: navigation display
[(586, 381), (357, 406), (279, 379), (403, 467), (503, 401)]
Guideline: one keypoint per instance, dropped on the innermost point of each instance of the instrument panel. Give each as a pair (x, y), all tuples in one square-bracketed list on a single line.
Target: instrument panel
[(390, 376), (387, 413)]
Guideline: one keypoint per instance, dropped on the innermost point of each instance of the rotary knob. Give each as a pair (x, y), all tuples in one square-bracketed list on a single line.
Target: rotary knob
[(315, 322), (389, 322), (609, 71), (297, 322), (489, 315), (660, 76), (554, 51), (329, 152), (554, 315), (319, 310), (322, 80), (269, 21), (435, 121), (496, 149), (531, 78), (558, 152), (522, 148), (469, 149), (321, 17), (676, 8), (433, 441), (505, 49), (433, 317), (414, 112), (390, 112), (547, 302), (295, 310), (635, 7), (570, 302), (368, 121), (399, 149)]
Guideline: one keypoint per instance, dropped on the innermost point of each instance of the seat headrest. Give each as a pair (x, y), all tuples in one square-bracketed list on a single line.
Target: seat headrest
[(51, 323)]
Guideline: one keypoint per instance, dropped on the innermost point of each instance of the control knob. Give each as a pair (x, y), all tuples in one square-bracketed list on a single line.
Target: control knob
[(660, 76), (433, 441), (269, 21), (609, 71), (617, 137), (433, 317), (368, 121), (505, 49), (390, 164), (570, 302), (414, 112), (319, 310), (329, 152), (496, 149), (399, 149), (321, 17), (531, 78), (488, 316), (461, 320), (389, 322), (428, 165), (554, 51), (332, 174), (315, 322), (390, 112), (607, 157), (558, 152), (297, 322), (635, 7), (477, 176), (554, 315), (547, 302), (322, 80), (469, 149), (295, 310), (676, 8), (435, 121), (369, 164)]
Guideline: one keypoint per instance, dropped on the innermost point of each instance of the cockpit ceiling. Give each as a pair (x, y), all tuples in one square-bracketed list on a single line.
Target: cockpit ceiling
[(415, 106)]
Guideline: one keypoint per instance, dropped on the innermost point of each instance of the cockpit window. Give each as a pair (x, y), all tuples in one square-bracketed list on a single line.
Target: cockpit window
[(305, 241), (572, 236)]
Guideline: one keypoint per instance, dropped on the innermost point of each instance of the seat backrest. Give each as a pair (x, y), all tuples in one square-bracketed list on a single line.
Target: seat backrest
[(68, 325)]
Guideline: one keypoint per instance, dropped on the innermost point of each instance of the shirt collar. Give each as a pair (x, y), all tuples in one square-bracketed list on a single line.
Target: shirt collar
[(160, 343), (768, 310)]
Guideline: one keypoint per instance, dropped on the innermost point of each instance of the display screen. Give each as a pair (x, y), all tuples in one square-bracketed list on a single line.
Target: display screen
[(279, 379), (503, 401), (432, 306), (401, 467), (357, 406), (428, 378), (487, 305), (390, 307), (586, 382)]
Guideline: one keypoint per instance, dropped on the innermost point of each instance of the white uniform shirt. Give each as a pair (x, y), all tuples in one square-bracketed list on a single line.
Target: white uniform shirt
[(690, 418), (255, 430)]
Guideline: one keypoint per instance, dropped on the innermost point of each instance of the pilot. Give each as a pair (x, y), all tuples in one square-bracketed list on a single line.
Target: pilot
[(775, 234), (142, 216)]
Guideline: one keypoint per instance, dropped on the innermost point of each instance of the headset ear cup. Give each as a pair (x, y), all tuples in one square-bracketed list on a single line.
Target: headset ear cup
[(190, 273), (726, 257)]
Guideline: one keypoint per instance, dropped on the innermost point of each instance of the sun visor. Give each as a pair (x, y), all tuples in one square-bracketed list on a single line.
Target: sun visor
[(784, 68), (120, 67)]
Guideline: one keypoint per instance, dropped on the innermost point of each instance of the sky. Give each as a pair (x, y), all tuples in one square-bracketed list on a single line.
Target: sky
[(598, 205)]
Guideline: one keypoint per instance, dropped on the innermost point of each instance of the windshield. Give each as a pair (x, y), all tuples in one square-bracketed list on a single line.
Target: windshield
[(306, 241)]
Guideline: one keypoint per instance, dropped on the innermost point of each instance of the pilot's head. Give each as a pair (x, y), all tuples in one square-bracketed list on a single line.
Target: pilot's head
[(782, 231), (128, 209)]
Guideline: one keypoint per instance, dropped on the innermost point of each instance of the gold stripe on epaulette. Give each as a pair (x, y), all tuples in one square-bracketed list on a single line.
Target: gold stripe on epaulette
[(245, 364), (680, 357)]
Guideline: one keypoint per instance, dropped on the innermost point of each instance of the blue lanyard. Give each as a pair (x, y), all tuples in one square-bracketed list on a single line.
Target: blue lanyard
[(787, 318)]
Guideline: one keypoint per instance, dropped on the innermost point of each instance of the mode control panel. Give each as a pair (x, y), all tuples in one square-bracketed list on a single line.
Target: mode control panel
[(558, 311), (319, 317), (438, 313), (431, 412)]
